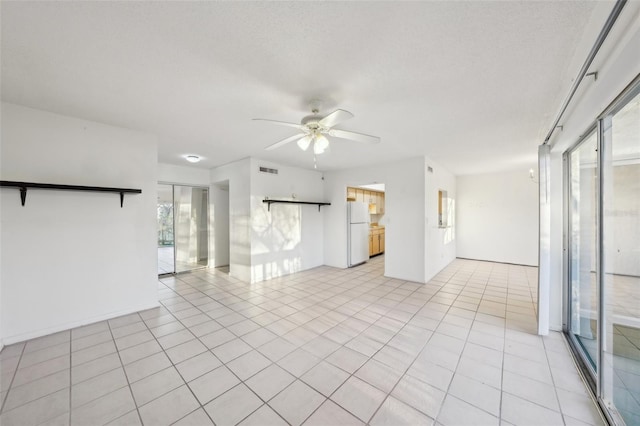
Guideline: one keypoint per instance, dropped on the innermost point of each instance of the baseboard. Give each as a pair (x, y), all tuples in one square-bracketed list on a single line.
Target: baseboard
[(555, 327), (497, 261), (9, 340)]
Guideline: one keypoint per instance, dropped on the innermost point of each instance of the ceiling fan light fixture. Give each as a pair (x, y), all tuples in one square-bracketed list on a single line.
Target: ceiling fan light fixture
[(320, 145), (314, 127), (304, 142), (322, 141)]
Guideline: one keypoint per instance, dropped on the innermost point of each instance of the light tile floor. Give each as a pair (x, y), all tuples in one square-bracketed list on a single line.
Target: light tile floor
[(166, 262), (322, 347)]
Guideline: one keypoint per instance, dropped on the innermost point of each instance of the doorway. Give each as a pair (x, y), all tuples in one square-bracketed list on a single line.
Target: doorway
[(372, 198), (183, 228)]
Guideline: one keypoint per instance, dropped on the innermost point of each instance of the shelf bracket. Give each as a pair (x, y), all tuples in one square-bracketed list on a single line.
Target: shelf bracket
[(23, 195), (121, 199)]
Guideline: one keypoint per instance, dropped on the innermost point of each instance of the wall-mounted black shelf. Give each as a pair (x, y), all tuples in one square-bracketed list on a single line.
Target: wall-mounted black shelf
[(23, 186), (315, 203)]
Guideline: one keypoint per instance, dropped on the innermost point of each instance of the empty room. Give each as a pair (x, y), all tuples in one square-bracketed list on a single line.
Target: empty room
[(320, 213)]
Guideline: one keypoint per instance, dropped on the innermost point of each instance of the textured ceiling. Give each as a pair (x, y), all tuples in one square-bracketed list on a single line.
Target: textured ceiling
[(473, 85)]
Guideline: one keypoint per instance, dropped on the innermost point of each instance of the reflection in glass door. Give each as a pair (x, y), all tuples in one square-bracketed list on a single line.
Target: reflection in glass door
[(582, 246), (621, 261), (183, 228), (191, 206), (166, 260)]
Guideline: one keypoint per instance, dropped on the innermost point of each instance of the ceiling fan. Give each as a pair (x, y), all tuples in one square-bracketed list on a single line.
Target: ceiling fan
[(315, 128)]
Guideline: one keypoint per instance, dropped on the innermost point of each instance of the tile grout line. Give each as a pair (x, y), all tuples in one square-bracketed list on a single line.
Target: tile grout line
[(463, 347), (411, 364), (70, 374), (301, 347), (358, 369), (389, 296), (223, 364), (504, 346), (164, 351), (125, 376), (13, 376)]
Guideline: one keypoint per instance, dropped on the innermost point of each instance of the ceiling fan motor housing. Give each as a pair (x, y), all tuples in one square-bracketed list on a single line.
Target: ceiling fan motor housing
[(311, 121)]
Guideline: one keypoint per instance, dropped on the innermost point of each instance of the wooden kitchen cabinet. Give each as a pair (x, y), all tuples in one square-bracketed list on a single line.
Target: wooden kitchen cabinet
[(380, 203), (376, 244), (376, 241), (351, 193), (370, 197), (374, 199)]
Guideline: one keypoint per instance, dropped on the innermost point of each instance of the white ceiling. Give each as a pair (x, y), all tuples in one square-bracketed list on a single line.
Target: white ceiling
[(473, 85)]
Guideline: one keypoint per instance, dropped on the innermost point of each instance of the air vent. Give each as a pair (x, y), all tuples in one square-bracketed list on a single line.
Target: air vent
[(268, 170), (430, 169)]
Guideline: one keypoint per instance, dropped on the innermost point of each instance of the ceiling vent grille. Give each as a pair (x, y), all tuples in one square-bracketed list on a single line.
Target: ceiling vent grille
[(268, 170)]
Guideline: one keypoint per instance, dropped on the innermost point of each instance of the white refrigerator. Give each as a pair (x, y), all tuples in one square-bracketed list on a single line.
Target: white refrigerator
[(357, 233)]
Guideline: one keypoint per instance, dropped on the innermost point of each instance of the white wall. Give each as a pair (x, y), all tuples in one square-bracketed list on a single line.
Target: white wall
[(184, 175), (238, 175), (404, 218), (1, 151), (497, 217), (220, 224), (617, 64), (286, 238), (70, 258), (267, 244), (440, 243)]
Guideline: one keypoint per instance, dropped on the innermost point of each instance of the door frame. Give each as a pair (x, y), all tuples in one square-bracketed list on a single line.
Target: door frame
[(208, 221), (602, 124)]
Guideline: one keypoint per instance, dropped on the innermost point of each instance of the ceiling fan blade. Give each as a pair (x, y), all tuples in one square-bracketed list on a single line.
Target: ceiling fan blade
[(285, 141), (353, 136), (282, 123), (336, 117)]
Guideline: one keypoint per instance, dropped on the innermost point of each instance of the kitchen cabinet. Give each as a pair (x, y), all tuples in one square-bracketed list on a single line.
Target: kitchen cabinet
[(351, 194), (370, 197), (374, 199), (380, 203), (376, 241)]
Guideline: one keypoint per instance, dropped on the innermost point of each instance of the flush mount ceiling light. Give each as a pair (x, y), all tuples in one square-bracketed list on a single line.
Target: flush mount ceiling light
[(315, 128), (192, 158)]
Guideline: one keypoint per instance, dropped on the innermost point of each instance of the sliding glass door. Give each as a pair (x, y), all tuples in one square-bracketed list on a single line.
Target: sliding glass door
[(582, 247), (191, 207), (183, 228), (166, 255), (620, 381), (603, 262)]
